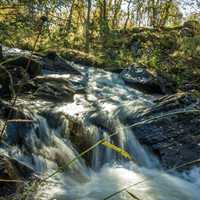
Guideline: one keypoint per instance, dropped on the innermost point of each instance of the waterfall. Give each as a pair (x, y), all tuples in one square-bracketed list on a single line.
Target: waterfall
[(45, 145), (39, 146)]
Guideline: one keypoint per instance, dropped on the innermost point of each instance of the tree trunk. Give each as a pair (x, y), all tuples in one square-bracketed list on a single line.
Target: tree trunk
[(128, 14), (87, 28), (165, 17), (117, 7), (69, 20)]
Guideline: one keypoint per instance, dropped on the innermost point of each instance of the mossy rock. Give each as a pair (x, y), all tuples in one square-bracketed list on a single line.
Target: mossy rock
[(193, 25), (168, 42)]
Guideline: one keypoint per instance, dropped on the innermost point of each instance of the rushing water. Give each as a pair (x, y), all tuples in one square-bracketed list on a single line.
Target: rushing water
[(103, 110)]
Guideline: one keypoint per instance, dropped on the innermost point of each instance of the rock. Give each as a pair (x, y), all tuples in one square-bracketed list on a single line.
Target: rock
[(190, 28), (15, 175), (78, 133), (53, 88), (6, 83), (51, 55), (13, 79), (55, 63), (139, 77), (17, 133), (186, 32), (16, 112), (171, 129), (35, 66), (1, 53), (135, 47)]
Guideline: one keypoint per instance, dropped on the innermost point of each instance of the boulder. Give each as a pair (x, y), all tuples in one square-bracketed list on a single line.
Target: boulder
[(33, 66), (140, 78), (186, 32), (53, 88), (190, 28), (171, 129), (13, 176), (16, 112), (51, 61)]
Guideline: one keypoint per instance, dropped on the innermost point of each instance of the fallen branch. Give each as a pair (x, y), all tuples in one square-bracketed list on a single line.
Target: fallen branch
[(21, 120)]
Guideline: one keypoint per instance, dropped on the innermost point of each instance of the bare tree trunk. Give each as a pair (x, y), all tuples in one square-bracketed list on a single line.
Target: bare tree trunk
[(154, 10), (69, 20), (87, 29), (128, 14), (103, 18), (139, 12), (163, 21), (117, 7)]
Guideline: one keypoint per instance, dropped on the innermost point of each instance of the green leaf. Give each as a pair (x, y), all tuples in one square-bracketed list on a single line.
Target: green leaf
[(117, 149)]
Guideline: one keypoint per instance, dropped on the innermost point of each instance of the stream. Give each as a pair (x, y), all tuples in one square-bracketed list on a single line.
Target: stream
[(103, 110)]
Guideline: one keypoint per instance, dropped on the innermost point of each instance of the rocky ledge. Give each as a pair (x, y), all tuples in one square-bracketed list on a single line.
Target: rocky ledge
[(171, 130), (139, 77), (21, 73)]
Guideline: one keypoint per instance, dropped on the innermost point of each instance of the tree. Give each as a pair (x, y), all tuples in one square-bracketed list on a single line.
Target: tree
[(87, 32), (128, 14)]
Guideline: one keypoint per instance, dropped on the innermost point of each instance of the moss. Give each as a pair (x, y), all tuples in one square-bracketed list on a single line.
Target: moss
[(172, 53), (102, 60), (193, 25)]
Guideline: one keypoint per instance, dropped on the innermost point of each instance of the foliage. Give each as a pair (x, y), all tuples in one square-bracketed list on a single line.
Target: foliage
[(100, 33), (119, 150), (82, 25)]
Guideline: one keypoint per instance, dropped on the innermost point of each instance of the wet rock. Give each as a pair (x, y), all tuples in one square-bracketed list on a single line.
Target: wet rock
[(17, 133), (77, 132), (13, 176), (102, 121), (55, 63), (1, 52), (52, 88), (13, 79), (6, 83), (140, 78), (51, 55), (7, 111), (171, 129)]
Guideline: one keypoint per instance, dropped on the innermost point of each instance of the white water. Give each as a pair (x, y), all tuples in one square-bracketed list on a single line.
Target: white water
[(105, 106)]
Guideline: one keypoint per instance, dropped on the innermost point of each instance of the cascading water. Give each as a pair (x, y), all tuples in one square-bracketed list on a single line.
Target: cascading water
[(103, 110)]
